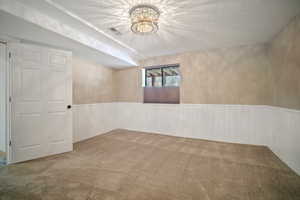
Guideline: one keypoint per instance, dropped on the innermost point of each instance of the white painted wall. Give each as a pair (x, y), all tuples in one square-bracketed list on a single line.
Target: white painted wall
[(277, 128), (2, 97)]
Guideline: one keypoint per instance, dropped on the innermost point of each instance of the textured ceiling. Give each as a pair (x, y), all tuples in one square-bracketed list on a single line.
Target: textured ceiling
[(187, 25)]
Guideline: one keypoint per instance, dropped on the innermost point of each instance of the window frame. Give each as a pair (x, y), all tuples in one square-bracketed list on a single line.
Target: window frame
[(161, 67)]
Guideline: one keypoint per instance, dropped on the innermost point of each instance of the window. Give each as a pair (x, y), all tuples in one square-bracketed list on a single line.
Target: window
[(165, 76), (161, 84)]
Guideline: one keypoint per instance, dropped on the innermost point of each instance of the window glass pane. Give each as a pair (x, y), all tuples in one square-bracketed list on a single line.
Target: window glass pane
[(149, 82), (154, 77), (171, 76)]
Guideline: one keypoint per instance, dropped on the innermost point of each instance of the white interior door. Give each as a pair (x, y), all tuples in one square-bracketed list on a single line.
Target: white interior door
[(41, 123)]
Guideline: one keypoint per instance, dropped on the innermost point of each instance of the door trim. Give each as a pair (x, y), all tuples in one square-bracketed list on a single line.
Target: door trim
[(6, 73), (8, 105)]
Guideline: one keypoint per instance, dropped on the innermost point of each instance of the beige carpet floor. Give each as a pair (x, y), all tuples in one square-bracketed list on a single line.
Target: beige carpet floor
[(131, 165)]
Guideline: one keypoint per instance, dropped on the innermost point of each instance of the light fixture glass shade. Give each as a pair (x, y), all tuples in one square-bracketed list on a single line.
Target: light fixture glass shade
[(144, 19)]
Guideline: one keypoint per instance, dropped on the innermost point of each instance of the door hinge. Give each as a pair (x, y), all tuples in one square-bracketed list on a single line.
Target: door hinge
[(9, 142), (9, 55), (9, 99)]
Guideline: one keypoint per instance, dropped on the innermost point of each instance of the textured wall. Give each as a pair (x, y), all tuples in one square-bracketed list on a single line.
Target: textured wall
[(285, 60), (92, 83), (228, 76), (128, 85), (256, 75), (266, 74)]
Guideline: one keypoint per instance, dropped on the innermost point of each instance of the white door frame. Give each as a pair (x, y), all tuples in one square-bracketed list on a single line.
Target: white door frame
[(8, 105), (7, 86)]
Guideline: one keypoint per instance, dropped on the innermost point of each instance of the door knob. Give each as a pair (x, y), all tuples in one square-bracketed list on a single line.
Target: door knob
[(69, 106)]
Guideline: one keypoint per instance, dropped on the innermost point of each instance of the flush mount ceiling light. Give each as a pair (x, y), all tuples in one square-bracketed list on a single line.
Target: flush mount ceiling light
[(144, 19)]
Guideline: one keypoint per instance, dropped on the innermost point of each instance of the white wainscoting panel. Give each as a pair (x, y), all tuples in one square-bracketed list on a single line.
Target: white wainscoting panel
[(229, 123), (285, 136), (90, 120), (277, 128)]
